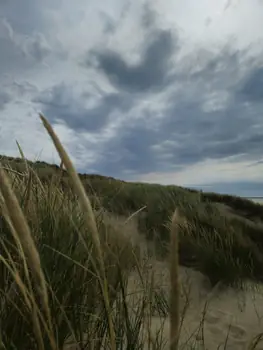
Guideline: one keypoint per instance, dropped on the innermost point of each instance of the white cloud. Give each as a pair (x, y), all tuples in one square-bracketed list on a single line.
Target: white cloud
[(216, 100), (239, 20), (209, 172), (47, 47)]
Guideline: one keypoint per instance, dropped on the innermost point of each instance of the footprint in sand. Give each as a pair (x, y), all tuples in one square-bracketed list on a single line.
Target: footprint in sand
[(211, 318), (237, 331), (221, 327), (215, 316)]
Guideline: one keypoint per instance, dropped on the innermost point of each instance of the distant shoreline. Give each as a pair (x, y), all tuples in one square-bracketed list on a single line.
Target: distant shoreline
[(258, 200)]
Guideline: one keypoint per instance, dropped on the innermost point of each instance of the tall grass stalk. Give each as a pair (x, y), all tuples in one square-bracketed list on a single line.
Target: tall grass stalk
[(175, 286), (66, 271), (21, 231), (90, 222)]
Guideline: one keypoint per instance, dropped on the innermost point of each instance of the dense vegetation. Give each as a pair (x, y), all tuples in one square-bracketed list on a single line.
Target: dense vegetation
[(222, 235), (65, 271)]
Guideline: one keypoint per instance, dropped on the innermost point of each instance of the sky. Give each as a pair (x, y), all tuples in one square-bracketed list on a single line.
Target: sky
[(158, 91)]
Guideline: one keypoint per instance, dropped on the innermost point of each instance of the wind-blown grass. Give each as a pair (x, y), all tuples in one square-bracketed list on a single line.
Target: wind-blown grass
[(65, 260), (64, 269), (75, 293), (222, 234)]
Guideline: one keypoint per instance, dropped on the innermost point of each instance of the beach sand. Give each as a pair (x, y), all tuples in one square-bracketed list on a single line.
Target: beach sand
[(231, 320)]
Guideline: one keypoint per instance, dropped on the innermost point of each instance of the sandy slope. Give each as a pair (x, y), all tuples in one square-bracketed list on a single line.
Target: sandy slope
[(230, 314), (237, 315), (233, 315)]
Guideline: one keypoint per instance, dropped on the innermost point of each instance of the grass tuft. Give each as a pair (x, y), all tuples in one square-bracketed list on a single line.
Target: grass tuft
[(78, 256)]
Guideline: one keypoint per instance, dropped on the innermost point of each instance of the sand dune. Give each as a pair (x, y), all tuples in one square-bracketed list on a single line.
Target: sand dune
[(231, 320)]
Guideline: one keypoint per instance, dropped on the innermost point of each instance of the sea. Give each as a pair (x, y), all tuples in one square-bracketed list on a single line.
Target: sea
[(256, 199)]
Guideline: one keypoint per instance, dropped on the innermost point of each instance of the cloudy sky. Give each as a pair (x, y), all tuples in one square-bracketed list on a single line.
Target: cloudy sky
[(157, 91)]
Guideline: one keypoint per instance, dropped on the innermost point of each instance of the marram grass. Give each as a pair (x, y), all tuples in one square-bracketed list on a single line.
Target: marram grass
[(89, 220), (65, 267), (31, 291)]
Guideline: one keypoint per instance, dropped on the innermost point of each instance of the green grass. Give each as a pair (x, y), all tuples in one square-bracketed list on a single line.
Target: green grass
[(223, 237), (75, 297), (64, 267)]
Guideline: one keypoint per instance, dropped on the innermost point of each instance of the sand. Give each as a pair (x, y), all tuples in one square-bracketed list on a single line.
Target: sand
[(231, 320)]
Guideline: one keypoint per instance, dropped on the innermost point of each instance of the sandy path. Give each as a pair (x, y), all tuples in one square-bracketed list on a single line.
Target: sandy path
[(238, 315), (233, 315)]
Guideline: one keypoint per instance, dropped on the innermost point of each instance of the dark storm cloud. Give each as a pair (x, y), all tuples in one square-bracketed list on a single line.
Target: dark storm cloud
[(61, 103), (149, 17), (23, 43), (25, 16), (11, 54), (252, 86), (109, 25), (151, 73), (216, 133), (37, 47), (22, 88), (222, 70), (5, 98), (188, 133), (130, 150)]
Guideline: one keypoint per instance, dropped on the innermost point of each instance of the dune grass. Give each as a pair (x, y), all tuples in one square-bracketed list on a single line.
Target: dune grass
[(222, 235), (66, 255), (64, 268)]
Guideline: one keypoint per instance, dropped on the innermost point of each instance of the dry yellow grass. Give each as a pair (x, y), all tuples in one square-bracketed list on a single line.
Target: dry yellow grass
[(19, 227), (132, 320), (90, 222), (175, 287)]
